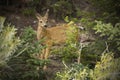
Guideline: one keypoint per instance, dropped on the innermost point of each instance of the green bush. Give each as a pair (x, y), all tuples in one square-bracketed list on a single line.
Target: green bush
[(8, 46), (74, 72), (28, 57), (108, 10), (105, 69), (110, 33), (91, 53), (24, 65), (8, 41), (69, 51), (28, 11), (62, 8)]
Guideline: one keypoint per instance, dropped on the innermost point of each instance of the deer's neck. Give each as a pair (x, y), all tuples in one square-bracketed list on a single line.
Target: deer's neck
[(40, 32)]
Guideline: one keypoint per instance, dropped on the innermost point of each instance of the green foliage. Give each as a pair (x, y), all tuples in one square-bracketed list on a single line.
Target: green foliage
[(74, 72), (112, 34), (8, 41), (91, 53), (104, 29), (28, 34), (72, 33), (40, 5), (25, 65), (69, 51), (36, 1), (28, 11), (63, 8), (111, 5), (109, 13), (84, 13), (29, 41), (107, 68), (2, 20), (68, 19), (31, 49), (88, 24)]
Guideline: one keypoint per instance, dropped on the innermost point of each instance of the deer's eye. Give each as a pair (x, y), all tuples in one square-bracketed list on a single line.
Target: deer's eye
[(40, 21)]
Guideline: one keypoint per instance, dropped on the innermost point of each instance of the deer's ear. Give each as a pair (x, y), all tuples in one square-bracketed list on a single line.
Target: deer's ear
[(46, 14), (38, 16)]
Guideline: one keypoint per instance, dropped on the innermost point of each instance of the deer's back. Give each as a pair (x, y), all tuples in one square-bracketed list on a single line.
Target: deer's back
[(57, 34)]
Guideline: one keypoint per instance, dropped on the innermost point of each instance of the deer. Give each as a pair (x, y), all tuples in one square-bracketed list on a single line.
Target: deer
[(51, 35)]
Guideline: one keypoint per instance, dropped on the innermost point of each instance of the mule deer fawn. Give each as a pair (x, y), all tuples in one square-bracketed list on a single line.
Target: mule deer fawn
[(51, 35)]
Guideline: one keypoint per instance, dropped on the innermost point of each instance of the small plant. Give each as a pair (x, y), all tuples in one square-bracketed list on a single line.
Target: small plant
[(75, 72), (28, 11)]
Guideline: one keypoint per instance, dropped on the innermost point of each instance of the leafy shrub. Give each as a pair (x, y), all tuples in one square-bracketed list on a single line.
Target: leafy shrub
[(29, 40), (110, 33), (31, 49), (63, 8), (109, 13), (92, 47), (74, 72), (69, 51), (24, 65), (28, 11), (107, 68), (8, 46), (91, 52), (8, 41)]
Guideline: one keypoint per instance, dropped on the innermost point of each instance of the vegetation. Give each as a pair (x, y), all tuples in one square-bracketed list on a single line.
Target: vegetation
[(107, 68), (110, 32), (74, 72), (69, 51), (22, 64), (109, 13), (91, 51), (8, 41)]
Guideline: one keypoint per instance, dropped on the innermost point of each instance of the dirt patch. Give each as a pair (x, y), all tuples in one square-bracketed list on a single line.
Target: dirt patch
[(21, 21)]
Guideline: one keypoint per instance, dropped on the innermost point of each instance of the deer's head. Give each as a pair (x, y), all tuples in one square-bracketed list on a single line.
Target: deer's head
[(43, 20)]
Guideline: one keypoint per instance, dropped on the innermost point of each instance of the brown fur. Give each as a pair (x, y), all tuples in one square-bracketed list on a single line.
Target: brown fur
[(52, 35)]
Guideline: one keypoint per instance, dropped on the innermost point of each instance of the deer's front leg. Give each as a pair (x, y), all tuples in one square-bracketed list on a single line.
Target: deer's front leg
[(46, 56), (42, 54), (47, 52)]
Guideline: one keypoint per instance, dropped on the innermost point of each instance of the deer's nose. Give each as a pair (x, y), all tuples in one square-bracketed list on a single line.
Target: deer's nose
[(45, 25)]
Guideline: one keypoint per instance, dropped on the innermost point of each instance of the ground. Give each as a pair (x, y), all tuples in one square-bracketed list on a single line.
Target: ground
[(54, 66)]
